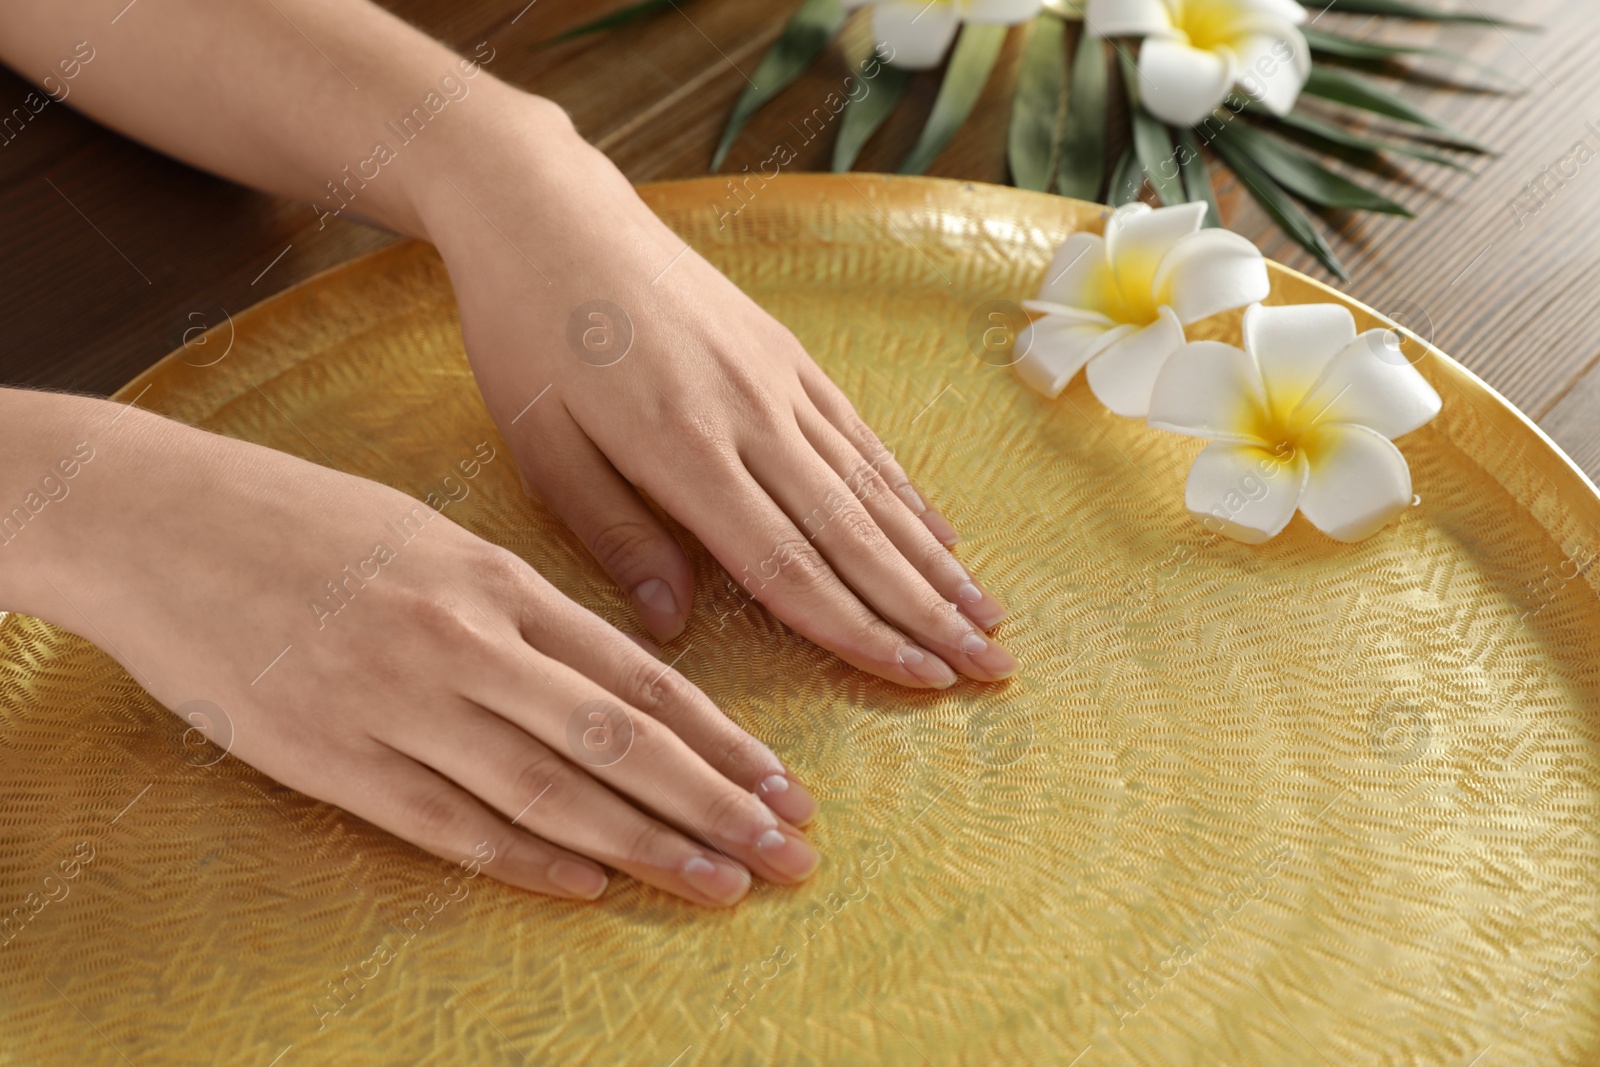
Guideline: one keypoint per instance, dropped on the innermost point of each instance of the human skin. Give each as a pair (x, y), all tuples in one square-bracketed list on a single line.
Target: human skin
[(717, 414)]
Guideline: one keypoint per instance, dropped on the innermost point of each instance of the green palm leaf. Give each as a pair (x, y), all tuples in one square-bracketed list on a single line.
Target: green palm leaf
[(1278, 204), (863, 116), (1304, 176), (1340, 137), (1332, 44), (801, 41), (1126, 180), (620, 17), (1406, 10), (1082, 166), (1034, 137), (1352, 90), (1196, 179), (971, 61)]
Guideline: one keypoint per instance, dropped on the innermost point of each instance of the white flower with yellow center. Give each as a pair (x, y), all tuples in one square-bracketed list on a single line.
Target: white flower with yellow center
[(1195, 51), (917, 32), (1302, 418), (1119, 303)]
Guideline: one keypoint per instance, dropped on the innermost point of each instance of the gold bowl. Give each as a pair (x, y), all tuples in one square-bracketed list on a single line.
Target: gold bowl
[(1298, 803)]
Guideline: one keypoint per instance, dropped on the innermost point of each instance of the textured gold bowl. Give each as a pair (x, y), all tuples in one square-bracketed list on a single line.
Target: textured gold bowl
[(1298, 803)]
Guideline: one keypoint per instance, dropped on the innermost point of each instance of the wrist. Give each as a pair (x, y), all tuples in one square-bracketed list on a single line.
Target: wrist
[(512, 147)]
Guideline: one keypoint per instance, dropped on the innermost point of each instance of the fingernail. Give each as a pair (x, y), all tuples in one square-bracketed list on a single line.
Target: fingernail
[(788, 798), (913, 501), (979, 606), (579, 879), (658, 608), (721, 882), (790, 856), (926, 667), (989, 658), (940, 528)]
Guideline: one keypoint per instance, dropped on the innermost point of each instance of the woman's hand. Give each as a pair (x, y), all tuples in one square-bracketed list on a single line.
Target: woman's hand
[(716, 412), (373, 654), (617, 361)]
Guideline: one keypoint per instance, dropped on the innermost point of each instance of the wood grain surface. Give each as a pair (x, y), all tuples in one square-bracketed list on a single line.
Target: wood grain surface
[(111, 255)]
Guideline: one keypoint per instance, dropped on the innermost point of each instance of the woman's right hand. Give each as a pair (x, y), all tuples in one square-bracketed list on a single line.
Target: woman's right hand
[(373, 654)]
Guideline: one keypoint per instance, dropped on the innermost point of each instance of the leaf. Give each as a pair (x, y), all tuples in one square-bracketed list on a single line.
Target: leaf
[(1406, 10), (1082, 166), (1152, 143), (1352, 90), (1196, 178), (1335, 135), (1277, 204), (1304, 176), (863, 116), (1126, 181), (970, 64), (620, 17), (801, 41), (1034, 136), (1333, 44)]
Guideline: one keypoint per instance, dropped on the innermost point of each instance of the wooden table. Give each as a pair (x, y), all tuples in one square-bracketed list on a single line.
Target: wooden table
[(111, 254)]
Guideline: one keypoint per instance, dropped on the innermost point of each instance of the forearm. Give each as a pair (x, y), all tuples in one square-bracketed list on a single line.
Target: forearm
[(334, 102)]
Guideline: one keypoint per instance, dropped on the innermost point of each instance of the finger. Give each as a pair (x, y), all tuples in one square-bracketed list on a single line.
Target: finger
[(860, 552), (913, 539), (398, 794), (640, 758), (830, 400), (779, 567), (534, 788), (608, 515), (564, 630)]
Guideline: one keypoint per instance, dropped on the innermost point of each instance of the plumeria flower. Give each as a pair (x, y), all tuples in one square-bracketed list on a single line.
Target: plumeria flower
[(1303, 418), (1119, 303), (1195, 51), (919, 31)]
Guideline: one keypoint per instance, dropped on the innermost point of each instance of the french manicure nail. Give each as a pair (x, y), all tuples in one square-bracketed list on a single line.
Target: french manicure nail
[(927, 667), (722, 882), (912, 499), (788, 798), (790, 856), (658, 608), (579, 879), (988, 657), (940, 528), (979, 606)]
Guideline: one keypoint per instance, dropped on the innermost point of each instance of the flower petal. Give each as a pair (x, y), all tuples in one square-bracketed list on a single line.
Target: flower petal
[(917, 33), (1001, 11), (1123, 374), (1180, 84), (1076, 276), (1128, 18), (1211, 271), (1209, 389), (1045, 307), (1274, 63), (1369, 383), (1359, 481), (1293, 346), (1138, 239), (1054, 349), (1244, 491)]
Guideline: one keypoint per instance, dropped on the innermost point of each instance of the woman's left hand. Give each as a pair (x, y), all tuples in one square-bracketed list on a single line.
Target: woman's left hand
[(617, 362)]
